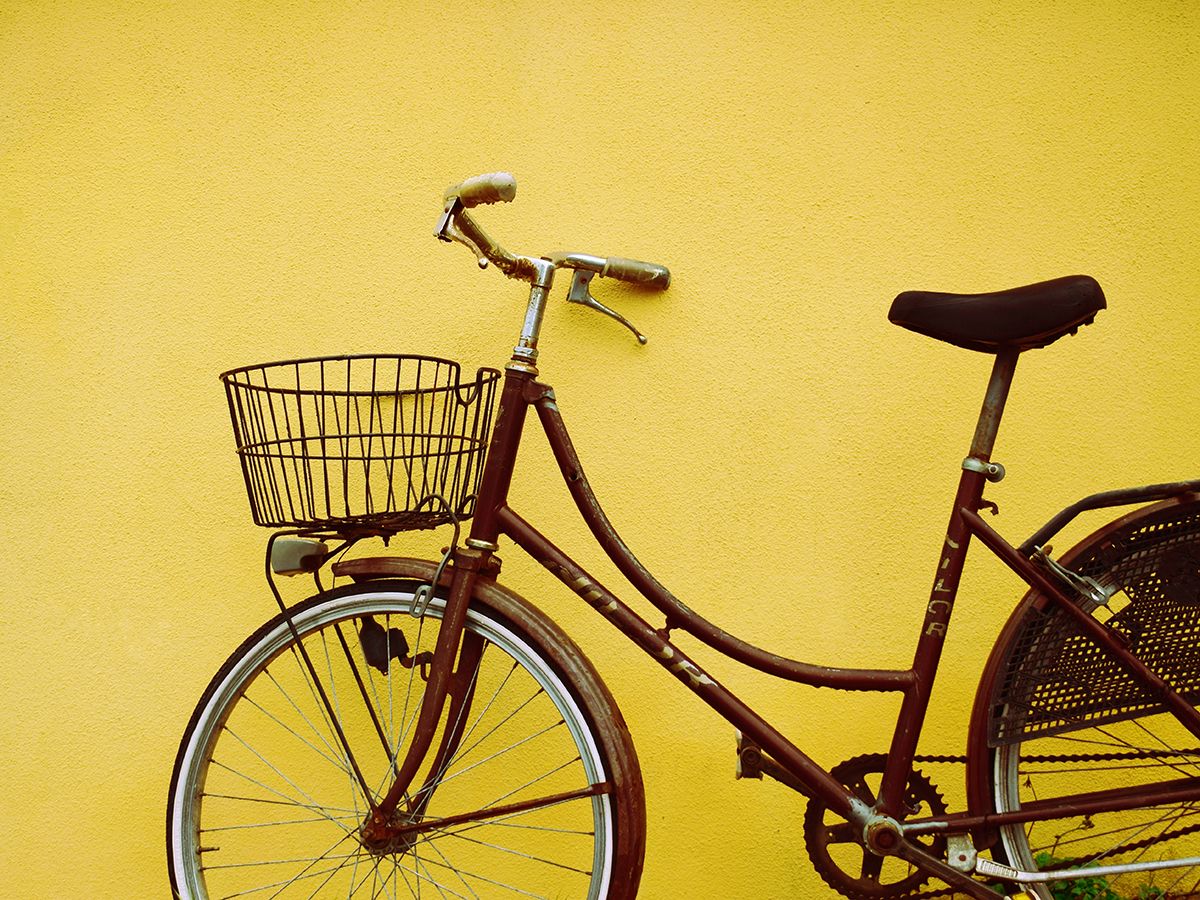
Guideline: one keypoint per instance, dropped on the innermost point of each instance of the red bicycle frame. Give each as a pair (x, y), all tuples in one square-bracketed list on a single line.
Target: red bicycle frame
[(885, 827), (494, 517)]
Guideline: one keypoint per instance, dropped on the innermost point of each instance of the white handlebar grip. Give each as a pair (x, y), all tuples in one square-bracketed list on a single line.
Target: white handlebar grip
[(495, 187)]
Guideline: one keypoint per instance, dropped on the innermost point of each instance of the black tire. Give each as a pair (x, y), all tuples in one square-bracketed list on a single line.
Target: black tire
[(1065, 719), (264, 802)]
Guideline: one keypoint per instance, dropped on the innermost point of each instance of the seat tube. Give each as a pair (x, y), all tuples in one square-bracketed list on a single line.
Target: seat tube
[(945, 587)]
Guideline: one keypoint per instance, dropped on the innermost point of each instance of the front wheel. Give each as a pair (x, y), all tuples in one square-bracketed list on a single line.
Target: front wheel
[(538, 794), (1064, 719)]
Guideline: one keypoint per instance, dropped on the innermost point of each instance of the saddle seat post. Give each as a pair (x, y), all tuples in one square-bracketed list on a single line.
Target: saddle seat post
[(993, 403), (977, 470)]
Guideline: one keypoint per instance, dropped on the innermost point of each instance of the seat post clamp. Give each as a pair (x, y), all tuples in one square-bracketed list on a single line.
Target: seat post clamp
[(991, 471)]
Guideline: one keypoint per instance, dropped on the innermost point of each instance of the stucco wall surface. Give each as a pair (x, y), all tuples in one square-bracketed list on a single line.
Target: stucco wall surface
[(189, 187)]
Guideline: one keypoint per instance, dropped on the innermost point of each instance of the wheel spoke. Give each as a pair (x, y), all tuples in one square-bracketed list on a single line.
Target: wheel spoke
[(529, 856), (458, 875), (284, 798), (362, 689), (464, 874)]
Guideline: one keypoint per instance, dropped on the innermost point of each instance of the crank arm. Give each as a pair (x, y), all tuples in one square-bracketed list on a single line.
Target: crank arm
[(960, 881)]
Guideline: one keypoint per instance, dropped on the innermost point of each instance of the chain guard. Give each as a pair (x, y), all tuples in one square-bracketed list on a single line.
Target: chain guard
[(837, 851)]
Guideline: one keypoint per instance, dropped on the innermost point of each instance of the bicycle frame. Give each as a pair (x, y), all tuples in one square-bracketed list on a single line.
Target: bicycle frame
[(494, 517), (1084, 706), (886, 826)]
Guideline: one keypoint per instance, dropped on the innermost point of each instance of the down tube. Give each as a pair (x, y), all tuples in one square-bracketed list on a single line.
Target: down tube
[(818, 782)]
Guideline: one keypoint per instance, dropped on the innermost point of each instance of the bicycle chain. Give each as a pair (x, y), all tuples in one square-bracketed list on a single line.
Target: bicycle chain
[(1125, 754), (947, 891), (1079, 757)]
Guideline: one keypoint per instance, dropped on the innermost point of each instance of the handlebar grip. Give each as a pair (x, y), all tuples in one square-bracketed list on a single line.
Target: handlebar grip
[(637, 272), (495, 187)]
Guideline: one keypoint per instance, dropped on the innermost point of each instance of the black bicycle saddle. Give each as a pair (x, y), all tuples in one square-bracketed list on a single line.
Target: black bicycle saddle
[(1025, 317)]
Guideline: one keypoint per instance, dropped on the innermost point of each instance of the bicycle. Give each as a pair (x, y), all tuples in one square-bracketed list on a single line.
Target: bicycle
[(424, 729)]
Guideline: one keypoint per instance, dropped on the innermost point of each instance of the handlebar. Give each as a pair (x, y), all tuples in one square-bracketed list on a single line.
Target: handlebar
[(496, 187), (456, 224), (637, 272), (633, 271)]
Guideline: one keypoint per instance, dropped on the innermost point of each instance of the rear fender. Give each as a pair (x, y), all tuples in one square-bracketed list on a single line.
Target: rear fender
[(979, 754)]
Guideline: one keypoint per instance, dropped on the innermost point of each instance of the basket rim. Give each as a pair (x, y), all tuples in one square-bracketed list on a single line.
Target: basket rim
[(229, 376), (273, 449), (393, 522)]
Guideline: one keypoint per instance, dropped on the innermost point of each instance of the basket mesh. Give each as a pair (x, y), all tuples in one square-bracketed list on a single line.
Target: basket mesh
[(360, 443), (1056, 680)]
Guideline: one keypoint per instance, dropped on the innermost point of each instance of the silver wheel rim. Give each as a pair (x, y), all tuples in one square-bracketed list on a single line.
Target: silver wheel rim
[(186, 806)]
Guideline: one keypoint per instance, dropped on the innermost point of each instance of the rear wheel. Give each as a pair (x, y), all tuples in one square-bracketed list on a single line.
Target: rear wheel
[(1067, 720), (535, 799), (1136, 753)]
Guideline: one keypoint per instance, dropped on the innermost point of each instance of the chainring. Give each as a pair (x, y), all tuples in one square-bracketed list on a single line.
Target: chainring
[(836, 848)]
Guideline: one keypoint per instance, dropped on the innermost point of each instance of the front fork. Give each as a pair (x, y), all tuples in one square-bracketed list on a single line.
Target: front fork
[(383, 826), (445, 679)]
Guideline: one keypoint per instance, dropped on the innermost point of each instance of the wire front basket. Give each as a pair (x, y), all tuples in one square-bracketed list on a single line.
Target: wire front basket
[(353, 444)]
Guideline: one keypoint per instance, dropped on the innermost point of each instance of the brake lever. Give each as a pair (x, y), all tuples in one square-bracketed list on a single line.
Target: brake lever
[(581, 294)]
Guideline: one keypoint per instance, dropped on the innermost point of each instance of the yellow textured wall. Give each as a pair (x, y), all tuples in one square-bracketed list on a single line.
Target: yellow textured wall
[(189, 187)]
